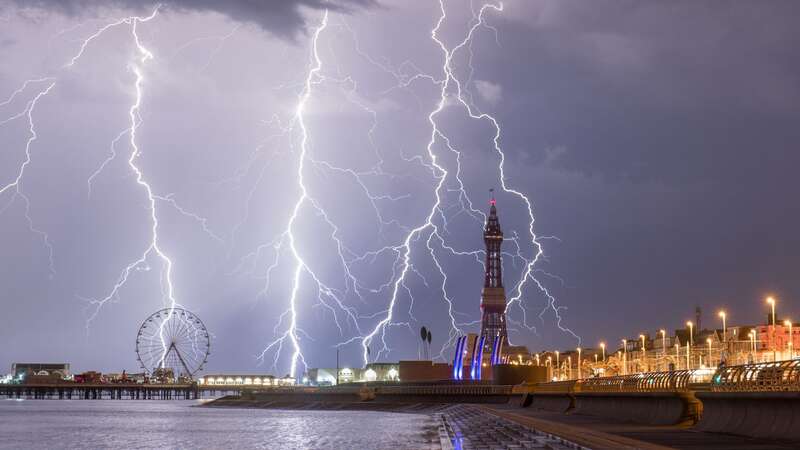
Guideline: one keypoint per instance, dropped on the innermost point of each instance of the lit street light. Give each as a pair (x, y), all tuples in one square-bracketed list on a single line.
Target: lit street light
[(724, 328), (788, 323), (644, 352), (579, 362), (603, 347), (771, 302), (569, 367), (691, 332), (624, 357), (558, 366), (709, 351), (677, 356), (688, 356)]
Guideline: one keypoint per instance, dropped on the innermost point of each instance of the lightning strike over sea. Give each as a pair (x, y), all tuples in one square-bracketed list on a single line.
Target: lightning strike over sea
[(290, 221), (432, 230), (374, 290)]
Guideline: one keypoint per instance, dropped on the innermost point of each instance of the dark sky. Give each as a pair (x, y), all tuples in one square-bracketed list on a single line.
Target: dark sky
[(655, 140)]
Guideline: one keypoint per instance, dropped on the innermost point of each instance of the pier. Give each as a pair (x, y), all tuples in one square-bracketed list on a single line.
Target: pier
[(130, 391)]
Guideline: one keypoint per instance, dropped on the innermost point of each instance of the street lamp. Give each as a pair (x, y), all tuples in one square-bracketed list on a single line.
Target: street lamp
[(708, 340), (579, 363), (624, 357), (691, 332), (788, 323), (724, 328), (558, 366), (753, 341), (771, 302), (569, 367), (688, 356), (644, 352), (603, 347), (537, 359), (677, 355)]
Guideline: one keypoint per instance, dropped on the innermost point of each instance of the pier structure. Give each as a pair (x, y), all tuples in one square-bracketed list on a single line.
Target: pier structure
[(126, 391)]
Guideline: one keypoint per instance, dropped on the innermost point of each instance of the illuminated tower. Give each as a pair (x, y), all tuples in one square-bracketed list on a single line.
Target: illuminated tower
[(493, 296)]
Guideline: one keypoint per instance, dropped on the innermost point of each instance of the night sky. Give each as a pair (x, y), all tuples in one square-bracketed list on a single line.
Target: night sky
[(656, 142)]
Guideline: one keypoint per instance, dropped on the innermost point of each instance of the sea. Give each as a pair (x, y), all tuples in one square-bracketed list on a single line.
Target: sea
[(181, 424)]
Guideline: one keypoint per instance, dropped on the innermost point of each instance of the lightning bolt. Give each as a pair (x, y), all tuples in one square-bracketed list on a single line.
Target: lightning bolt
[(15, 187), (452, 81), (292, 331), (134, 115), (153, 249), (528, 273), (432, 230), (449, 193)]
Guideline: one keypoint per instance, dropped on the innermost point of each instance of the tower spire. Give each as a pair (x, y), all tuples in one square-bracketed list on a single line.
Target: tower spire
[(493, 296)]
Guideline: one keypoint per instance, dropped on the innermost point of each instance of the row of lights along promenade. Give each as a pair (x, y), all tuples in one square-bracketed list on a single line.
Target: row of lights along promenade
[(687, 348)]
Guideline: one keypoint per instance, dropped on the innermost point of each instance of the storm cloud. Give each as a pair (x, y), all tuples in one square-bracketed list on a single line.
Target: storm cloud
[(280, 17)]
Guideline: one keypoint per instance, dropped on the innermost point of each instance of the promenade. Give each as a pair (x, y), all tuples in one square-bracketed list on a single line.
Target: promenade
[(604, 433)]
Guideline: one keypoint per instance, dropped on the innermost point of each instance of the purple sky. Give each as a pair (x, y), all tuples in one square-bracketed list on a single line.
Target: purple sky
[(655, 140)]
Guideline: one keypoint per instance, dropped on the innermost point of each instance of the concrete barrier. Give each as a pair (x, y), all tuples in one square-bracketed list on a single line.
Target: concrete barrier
[(556, 402), (774, 415), (653, 408)]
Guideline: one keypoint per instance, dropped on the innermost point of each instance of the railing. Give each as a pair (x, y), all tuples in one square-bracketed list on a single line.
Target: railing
[(673, 381), (555, 387), (676, 380), (445, 390), (760, 377), (775, 376)]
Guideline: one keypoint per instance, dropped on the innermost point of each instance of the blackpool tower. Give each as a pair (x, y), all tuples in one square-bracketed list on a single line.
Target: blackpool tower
[(493, 296)]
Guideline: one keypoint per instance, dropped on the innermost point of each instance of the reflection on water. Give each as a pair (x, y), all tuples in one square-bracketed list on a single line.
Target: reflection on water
[(49, 424)]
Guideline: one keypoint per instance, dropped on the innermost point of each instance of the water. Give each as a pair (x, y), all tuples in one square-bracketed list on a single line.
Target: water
[(56, 424)]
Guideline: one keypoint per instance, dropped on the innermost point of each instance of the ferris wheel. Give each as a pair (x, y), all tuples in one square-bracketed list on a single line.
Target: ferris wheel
[(172, 343)]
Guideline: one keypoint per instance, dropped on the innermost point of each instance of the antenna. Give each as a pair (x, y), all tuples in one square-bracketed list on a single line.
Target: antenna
[(697, 313)]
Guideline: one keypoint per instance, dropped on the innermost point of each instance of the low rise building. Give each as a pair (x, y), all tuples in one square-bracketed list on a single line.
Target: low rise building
[(411, 371), (244, 380), (43, 369), (39, 373)]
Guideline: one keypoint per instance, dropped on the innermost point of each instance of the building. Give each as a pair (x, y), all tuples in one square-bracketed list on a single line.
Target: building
[(223, 380), (389, 372), (89, 377), (328, 376), (776, 341), (39, 372), (416, 371), (22, 369), (320, 377), (373, 372)]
